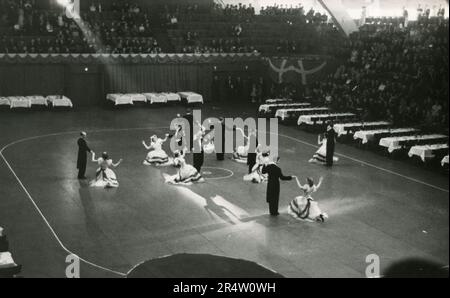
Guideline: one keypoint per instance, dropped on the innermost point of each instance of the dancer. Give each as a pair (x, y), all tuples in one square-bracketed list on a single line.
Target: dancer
[(304, 207), (241, 152), (331, 141), (256, 175), (186, 175), (105, 177), (321, 155), (273, 185), (199, 157), (157, 156), (83, 149), (220, 153)]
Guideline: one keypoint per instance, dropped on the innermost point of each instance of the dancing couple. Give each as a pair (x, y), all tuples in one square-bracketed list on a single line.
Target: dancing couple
[(105, 176)]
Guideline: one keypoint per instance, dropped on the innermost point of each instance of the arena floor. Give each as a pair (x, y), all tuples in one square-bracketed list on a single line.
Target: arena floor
[(376, 205)]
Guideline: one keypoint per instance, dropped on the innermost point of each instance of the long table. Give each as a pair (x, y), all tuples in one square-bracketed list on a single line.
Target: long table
[(171, 96), (321, 118), (272, 108), (278, 100), (370, 135), (191, 97), (426, 152), (19, 102), (295, 113), (120, 99), (37, 100), (59, 101), (444, 161), (4, 101), (155, 98), (395, 143), (344, 128)]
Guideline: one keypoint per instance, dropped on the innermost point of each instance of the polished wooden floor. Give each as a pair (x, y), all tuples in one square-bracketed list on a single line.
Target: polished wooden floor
[(376, 205)]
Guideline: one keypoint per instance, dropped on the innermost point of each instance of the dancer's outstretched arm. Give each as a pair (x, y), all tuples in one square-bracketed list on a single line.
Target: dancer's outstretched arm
[(117, 164), (302, 187), (320, 183), (166, 138), (93, 157), (145, 145)]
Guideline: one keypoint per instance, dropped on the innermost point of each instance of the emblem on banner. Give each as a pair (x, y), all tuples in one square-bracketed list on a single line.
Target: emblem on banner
[(300, 70)]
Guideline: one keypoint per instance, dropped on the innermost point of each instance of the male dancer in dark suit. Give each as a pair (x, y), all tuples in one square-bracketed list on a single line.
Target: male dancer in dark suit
[(221, 156), (273, 185), (83, 149), (331, 142)]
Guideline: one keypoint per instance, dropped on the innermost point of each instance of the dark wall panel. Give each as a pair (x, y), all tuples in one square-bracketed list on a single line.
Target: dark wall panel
[(31, 79)]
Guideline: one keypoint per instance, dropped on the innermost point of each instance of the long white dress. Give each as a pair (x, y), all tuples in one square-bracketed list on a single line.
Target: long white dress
[(157, 156), (256, 176), (321, 155), (187, 174), (305, 208), (105, 177)]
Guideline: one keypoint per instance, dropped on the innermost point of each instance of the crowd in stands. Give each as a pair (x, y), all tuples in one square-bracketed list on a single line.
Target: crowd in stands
[(125, 29), (394, 72)]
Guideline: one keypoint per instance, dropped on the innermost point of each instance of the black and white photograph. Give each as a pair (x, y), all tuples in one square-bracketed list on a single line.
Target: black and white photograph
[(203, 141)]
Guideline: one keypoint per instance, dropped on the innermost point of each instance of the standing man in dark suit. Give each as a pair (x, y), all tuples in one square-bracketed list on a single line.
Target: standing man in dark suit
[(273, 185), (221, 156), (331, 142), (83, 150)]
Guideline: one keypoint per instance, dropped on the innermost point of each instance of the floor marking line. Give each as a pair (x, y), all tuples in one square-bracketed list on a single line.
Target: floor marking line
[(149, 128), (370, 165), (55, 235), (51, 228)]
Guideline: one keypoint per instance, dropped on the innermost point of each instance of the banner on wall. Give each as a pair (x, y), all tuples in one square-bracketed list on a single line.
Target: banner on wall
[(298, 70)]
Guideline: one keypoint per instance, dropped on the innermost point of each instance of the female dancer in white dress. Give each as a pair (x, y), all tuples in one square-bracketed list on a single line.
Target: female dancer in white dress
[(304, 207), (157, 156), (105, 177), (241, 153), (186, 175), (262, 158), (321, 155)]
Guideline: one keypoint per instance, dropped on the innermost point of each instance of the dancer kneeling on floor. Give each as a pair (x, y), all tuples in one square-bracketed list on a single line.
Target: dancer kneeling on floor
[(304, 207), (256, 175), (187, 174), (321, 155), (157, 156), (105, 177)]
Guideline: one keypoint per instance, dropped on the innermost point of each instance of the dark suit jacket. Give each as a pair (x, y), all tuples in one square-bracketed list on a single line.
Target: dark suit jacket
[(273, 185), (83, 150)]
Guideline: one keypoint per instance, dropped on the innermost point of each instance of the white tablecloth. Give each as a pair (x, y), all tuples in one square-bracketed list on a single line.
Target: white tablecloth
[(368, 135), (444, 161), (191, 97), (267, 107), (172, 96), (311, 119), (156, 98), (136, 97), (342, 128), (59, 101), (20, 102), (394, 143), (284, 113), (37, 100), (278, 100), (426, 151), (120, 99), (6, 260), (4, 101)]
